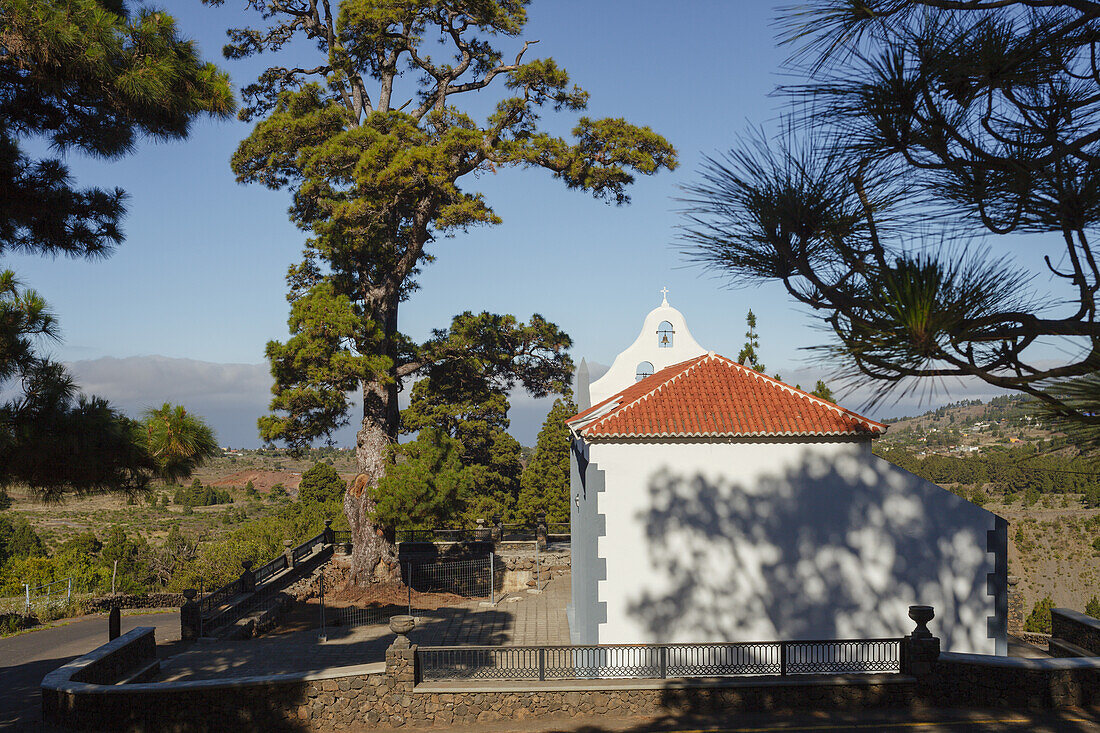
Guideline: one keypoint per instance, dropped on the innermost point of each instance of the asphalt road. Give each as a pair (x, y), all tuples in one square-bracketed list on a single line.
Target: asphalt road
[(26, 658)]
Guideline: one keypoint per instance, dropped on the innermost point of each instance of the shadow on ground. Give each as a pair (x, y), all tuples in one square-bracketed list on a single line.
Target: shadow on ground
[(926, 721), (303, 651)]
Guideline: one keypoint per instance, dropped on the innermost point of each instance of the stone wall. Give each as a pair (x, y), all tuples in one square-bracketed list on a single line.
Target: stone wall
[(1076, 628), (1016, 610), (118, 657), (389, 694), (977, 680)]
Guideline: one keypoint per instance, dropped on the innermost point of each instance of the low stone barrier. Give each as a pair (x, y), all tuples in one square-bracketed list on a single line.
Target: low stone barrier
[(387, 694), (1078, 629), (1013, 682), (131, 656), (82, 694)]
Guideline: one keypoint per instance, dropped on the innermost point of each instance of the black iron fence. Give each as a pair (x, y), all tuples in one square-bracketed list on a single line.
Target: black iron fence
[(472, 579), (210, 605), (219, 597), (445, 534), (265, 572), (485, 533), (661, 661)]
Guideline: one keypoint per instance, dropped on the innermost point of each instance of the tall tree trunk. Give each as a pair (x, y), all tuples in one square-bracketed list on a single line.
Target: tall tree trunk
[(374, 552)]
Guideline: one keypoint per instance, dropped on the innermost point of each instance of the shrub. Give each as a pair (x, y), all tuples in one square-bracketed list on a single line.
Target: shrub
[(278, 491), (1092, 608), (1039, 619), (321, 483)]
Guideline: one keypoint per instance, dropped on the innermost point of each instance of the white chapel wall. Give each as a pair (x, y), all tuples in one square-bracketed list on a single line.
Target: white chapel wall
[(761, 541), (646, 348)]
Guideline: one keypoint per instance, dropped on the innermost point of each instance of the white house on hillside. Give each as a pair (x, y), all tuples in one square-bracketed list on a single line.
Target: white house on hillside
[(714, 503)]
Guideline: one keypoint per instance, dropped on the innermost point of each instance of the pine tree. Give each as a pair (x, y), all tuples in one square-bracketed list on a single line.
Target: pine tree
[(425, 489), (822, 390), (544, 485), (376, 180), (919, 126), (749, 354), (321, 483), (82, 76)]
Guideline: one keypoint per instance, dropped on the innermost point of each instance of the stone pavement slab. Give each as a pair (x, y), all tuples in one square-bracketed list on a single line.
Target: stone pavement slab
[(533, 619)]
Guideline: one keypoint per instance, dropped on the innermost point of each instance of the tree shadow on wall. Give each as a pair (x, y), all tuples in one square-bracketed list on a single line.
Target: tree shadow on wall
[(834, 547)]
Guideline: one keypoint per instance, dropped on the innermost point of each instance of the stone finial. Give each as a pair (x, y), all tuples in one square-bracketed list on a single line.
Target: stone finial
[(920, 649), (402, 625), (922, 615), (190, 593), (247, 564)]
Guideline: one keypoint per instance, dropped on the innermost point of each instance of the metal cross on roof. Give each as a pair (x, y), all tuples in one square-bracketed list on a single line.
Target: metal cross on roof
[(664, 296)]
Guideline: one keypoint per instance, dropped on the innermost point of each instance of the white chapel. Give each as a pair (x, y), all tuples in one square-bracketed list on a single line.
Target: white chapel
[(713, 503)]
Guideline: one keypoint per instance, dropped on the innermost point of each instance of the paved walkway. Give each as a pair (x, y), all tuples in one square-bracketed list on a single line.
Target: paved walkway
[(27, 657), (870, 721), (518, 619)]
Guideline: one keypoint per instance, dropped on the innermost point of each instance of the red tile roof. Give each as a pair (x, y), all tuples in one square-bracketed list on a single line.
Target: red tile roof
[(712, 396)]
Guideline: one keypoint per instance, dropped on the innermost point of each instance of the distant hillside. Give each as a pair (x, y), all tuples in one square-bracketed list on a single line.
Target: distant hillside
[(997, 455), (972, 425)]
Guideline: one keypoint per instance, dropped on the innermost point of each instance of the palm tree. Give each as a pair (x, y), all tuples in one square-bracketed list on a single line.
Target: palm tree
[(178, 442)]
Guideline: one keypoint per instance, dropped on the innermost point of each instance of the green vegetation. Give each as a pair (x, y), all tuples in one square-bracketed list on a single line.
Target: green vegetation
[(426, 489), (89, 77), (198, 495), (376, 181), (1092, 608), (544, 485), (1039, 619), (1021, 472), (822, 390), (975, 118), (466, 399), (749, 355), (319, 484), (182, 559)]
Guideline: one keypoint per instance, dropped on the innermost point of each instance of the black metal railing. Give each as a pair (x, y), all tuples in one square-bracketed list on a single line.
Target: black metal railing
[(444, 534), (469, 578), (307, 547), (509, 533), (216, 598), (661, 661), (266, 572)]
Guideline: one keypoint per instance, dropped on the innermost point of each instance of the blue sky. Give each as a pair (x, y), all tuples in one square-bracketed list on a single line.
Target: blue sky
[(201, 274)]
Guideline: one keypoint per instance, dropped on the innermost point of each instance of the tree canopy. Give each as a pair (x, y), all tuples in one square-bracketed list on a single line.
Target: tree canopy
[(748, 354), (379, 159), (92, 78), (321, 483), (923, 133), (544, 486)]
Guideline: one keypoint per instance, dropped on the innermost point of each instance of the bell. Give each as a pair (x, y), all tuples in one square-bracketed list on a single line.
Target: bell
[(664, 339)]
